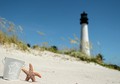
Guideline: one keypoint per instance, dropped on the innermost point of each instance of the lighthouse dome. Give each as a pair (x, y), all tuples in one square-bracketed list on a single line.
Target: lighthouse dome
[(84, 18)]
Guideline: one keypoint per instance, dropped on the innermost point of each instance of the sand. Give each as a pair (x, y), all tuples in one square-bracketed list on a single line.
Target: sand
[(58, 69)]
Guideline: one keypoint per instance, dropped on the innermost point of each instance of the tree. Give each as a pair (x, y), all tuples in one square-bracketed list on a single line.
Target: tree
[(99, 58), (28, 45)]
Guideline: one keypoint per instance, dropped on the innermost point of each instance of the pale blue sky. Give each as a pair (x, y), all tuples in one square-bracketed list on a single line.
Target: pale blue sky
[(60, 19)]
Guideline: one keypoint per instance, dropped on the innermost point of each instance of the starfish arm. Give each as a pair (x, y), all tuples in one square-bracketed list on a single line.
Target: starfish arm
[(37, 74), (27, 78), (25, 71), (33, 79), (30, 67)]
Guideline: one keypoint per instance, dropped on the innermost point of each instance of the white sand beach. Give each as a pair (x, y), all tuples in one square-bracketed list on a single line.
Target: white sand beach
[(58, 69)]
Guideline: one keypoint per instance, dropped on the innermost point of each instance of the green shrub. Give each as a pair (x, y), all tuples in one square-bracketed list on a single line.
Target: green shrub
[(35, 46), (53, 49), (22, 46), (68, 51), (111, 66), (99, 58)]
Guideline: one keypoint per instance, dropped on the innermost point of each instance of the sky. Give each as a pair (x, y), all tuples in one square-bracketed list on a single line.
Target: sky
[(58, 21)]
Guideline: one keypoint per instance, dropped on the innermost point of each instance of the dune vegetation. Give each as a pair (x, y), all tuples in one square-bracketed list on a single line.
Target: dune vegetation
[(9, 35)]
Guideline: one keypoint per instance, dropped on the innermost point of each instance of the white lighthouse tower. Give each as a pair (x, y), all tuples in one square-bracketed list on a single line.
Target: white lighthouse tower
[(84, 45)]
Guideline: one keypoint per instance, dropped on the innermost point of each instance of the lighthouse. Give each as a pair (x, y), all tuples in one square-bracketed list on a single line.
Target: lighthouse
[(84, 45)]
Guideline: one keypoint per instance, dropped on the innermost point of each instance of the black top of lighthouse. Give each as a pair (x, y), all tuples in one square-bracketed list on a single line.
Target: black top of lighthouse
[(84, 18)]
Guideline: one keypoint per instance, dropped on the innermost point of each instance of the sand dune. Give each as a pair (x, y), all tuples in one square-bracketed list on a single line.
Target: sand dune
[(58, 69)]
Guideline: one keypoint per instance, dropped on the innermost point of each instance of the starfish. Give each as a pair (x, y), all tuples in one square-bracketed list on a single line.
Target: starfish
[(31, 74)]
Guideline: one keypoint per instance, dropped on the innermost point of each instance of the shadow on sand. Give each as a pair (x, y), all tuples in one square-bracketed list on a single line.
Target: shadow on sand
[(1, 77)]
